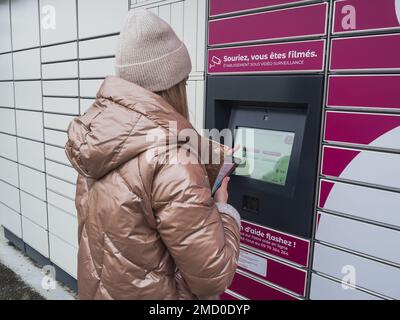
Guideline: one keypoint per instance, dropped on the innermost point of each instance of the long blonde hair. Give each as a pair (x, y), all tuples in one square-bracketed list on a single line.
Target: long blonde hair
[(176, 97)]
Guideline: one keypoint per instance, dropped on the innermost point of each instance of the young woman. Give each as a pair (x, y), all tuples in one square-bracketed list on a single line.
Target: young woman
[(148, 227)]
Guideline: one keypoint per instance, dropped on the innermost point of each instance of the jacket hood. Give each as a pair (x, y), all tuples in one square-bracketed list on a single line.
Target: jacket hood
[(116, 127)]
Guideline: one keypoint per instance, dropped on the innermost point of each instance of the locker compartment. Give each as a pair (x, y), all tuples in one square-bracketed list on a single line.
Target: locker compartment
[(8, 146), (63, 255), (100, 47), (96, 68), (60, 88), (111, 14), (56, 121), (9, 195), (177, 18), (61, 202), (60, 52), (368, 53), (85, 104), (368, 203), (359, 236), (33, 182), (60, 70), (10, 220), (61, 187), (6, 67), (30, 124), (7, 120), (194, 24), (9, 171), (63, 225), (28, 95), (31, 153), (89, 88), (27, 64), (61, 171), (363, 128), (34, 209), (25, 23), (57, 138), (65, 23), (355, 165), (5, 31), (371, 275), (35, 236), (6, 92), (326, 289), (61, 105), (56, 154), (364, 91)]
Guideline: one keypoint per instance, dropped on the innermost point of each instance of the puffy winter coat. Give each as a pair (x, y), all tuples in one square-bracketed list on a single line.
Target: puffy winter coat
[(148, 229)]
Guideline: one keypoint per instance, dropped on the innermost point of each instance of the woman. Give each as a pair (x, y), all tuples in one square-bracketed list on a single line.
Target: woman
[(148, 228)]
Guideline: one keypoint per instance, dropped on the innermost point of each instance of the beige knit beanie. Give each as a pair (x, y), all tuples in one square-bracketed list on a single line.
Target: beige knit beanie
[(150, 54)]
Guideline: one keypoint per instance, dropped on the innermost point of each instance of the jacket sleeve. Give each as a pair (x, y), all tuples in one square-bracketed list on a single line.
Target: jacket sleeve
[(203, 243)]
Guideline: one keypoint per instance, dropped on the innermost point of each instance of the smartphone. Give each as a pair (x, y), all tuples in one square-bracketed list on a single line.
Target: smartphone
[(229, 165)]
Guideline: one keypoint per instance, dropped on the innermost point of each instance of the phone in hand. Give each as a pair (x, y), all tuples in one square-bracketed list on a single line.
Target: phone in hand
[(227, 168)]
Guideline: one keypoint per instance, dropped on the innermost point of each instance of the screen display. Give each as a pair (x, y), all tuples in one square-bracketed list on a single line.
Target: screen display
[(265, 154)]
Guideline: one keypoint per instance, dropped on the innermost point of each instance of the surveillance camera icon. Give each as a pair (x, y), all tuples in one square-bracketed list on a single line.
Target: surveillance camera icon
[(215, 61)]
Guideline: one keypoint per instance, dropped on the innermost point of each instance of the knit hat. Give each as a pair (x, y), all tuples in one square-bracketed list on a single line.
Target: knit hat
[(150, 54)]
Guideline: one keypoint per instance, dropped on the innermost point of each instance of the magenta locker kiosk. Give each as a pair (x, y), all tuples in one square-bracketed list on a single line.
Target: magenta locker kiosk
[(265, 79)]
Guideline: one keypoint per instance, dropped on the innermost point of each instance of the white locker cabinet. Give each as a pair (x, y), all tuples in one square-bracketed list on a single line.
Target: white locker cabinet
[(63, 255), (96, 68), (9, 195), (28, 95), (366, 238), (25, 24), (57, 21), (60, 52), (100, 17), (60, 186), (326, 289), (32, 181), (10, 220), (61, 202), (56, 154), (61, 171), (374, 276), (57, 121), (27, 64), (35, 236), (85, 104), (34, 209), (31, 153), (61, 105), (7, 120), (89, 88), (60, 88), (6, 94), (6, 66), (30, 124), (100, 47), (8, 146), (9, 171), (54, 137), (64, 225), (61, 70), (5, 31)]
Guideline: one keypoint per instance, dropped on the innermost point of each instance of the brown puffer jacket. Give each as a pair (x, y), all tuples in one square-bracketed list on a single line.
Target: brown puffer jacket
[(147, 229)]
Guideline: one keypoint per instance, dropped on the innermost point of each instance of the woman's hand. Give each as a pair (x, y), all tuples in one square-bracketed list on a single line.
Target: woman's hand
[(221, 195)]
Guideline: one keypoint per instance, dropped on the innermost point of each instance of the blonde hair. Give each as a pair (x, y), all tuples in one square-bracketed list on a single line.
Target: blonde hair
[(176, 97)]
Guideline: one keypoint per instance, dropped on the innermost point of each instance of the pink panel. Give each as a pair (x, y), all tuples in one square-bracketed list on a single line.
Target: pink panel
[(293, 23), (227, 6), (276, 243), (359, 128), (283, 275), (369, 52), (364, 91), (254, 290), (335, 160), (305, 56), (369, 15), (324, 191), (227, 296)]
